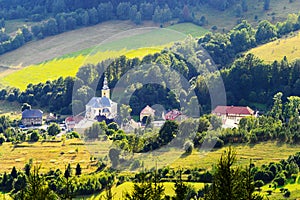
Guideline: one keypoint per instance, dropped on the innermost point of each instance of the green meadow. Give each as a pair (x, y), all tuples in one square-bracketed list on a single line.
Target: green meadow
[(138, 45)]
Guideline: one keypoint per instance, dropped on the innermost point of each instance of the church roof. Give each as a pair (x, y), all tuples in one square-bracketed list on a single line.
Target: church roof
[(99, 102)]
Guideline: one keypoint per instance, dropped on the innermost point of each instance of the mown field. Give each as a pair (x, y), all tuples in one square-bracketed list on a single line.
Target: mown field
[(276, 50), (141, 42), (50, 155), (260, 154)]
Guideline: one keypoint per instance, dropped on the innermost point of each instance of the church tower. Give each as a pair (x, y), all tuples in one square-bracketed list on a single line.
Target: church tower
[(105, 90)]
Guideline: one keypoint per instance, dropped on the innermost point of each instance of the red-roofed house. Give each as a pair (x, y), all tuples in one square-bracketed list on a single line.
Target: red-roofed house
[(146, 112), (175, 115), (72, 121), (233, 113)]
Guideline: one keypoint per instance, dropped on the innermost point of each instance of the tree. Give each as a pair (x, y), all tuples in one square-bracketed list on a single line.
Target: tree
[(188, 147), (167, 132), (231, 182), (125, 111), (245, 5), (34, 136), (14, 173), (78, 170), (37, 187), (266, 4), (265, 32), (114, 156), (68, 172), (276, 110), (203, 124), (53, 129), (2, 139)]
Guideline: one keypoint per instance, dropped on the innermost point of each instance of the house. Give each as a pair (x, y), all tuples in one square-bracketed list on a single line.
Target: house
[(51, 118), (32, 117), (147, 112), (175, 115), (102, 106), (232, 114), (72, 121)]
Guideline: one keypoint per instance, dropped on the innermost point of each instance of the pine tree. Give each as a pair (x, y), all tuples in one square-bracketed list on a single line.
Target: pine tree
[(78, 170), (14, 173)]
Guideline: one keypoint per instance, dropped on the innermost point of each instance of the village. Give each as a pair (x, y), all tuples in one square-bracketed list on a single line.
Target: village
[(104, 109)]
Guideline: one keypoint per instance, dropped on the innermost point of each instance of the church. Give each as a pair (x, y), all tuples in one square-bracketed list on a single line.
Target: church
[(102, 106)]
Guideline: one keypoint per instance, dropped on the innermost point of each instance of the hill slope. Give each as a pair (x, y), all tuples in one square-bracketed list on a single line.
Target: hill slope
[(279, 48)]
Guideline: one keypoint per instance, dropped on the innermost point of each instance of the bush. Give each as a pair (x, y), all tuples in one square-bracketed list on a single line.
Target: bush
[(35, 136), (188, 147), (280, 180), (136, 164), (259, 183), (287, 194)]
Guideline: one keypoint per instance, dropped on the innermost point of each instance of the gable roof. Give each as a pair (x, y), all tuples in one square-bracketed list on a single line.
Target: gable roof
[(147, 110), (99, 102), (34, 113), (173, 114), (237, 110)]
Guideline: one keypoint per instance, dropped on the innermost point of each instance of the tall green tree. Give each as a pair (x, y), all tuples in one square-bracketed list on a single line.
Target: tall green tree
[(276, 110)]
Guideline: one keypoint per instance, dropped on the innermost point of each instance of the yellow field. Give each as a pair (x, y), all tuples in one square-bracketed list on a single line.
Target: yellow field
[(50, 155), (69, 66), (122, 189), (276, 50)]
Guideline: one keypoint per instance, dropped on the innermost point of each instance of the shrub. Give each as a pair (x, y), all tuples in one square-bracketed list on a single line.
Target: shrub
[(136, 164), (287, 194), (188, 147)]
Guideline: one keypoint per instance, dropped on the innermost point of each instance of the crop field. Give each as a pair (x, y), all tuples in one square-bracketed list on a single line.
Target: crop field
[(50, 155), (148, 41), (276, 50)]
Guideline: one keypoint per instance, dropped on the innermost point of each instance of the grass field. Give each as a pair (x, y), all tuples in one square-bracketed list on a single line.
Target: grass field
[(122, 189), (279, 10), (143, 42), (277, 49), (50, 155), (260, 154)]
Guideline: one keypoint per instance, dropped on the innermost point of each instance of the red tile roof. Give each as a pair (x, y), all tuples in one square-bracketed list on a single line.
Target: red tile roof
[(173, 114), (237, 110)]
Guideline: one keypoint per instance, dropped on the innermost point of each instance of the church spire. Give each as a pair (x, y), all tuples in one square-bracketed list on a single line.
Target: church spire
[(105, 88), (105, 84)]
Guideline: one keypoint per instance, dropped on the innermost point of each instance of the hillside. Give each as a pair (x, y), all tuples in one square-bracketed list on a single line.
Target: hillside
[(138, 43), (276, 50)]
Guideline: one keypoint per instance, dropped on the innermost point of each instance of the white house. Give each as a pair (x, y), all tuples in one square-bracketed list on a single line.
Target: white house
[(231, 115)]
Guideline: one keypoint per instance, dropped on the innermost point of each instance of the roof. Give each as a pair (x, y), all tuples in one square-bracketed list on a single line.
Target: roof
[(147, 109), (99, 102), (32, 113), (72, 119), (238, 110), (173, 114)]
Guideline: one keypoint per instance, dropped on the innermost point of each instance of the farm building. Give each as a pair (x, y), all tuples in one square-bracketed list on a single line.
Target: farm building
[(147, 112), (32, 117), (175, 115), (231, 115)]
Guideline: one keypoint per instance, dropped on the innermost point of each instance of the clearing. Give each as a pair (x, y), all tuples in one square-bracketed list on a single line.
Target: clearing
[(276, 50)]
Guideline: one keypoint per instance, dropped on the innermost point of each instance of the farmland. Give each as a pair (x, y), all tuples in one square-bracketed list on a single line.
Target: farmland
[(279, 48), (142, 42)]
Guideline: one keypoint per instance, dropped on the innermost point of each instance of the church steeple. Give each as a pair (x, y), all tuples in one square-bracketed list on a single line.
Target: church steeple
[(105, 89)]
